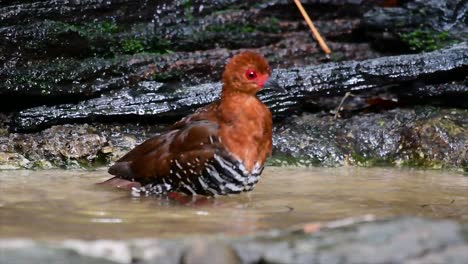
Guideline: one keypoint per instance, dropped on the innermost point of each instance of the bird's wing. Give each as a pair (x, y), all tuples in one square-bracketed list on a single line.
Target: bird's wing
[(208, 112), (184, 149)]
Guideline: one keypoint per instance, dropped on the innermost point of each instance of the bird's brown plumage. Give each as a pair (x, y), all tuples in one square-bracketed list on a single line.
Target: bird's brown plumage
[(219, 149)]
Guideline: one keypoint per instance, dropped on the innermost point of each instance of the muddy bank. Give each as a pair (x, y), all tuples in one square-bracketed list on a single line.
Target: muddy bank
[(404, 240)]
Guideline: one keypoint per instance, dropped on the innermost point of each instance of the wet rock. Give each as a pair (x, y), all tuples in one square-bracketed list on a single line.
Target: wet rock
[(43, 30), (451, 255), (419, 24), (403, 240), (423, 136), (381, 242), (353, 75), (10, 161), (205, 252), (153, 99), (439, 15), (156, 100), (52, 39), (41, 254), (72, 80), (71, 146), (65, 147), (75, 56), (59, 81), (21, 12)]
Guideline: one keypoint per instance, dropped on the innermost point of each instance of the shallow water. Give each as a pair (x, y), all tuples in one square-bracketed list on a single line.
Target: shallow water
[(58, 204)]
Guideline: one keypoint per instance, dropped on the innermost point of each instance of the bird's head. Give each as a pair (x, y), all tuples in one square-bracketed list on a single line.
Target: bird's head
[(246, 72)]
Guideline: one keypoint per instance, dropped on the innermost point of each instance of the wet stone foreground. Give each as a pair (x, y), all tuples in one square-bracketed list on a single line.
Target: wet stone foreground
[(83, 82), (405, 240)]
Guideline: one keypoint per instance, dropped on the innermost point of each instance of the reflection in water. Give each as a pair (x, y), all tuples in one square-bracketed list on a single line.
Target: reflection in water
[(56, 204)]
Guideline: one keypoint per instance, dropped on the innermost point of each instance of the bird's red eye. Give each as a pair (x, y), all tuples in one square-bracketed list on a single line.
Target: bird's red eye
[(251, 74)]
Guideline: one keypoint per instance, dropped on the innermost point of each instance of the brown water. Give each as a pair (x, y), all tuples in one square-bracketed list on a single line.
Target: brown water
[(57, 204)]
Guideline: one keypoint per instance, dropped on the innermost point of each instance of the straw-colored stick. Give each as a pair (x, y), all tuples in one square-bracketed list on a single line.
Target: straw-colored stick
[(319, 38)]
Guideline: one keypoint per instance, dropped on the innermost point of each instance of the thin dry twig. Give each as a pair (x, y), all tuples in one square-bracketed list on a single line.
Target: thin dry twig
[(317, 35), (338, 109)]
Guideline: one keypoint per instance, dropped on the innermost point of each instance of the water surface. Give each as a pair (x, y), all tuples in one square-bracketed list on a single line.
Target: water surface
[(58, 204)]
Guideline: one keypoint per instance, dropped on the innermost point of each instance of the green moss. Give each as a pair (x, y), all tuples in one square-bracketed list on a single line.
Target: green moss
[(226, 28), (280, 160), (104, 39), (361, 160), (226, 11), (158, 45), (259, 4), (90, 30), (448, 125), (132, 46), (41, 164), (426, 40), (154, 45), (102, 159), (167, 76), (69, 164), (416, 160), (188, 8), (338, 56), (109, 27), (419, 161), (269, 25)]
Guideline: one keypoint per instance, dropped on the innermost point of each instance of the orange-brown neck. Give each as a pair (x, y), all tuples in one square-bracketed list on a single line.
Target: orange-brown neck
[(245, 127)]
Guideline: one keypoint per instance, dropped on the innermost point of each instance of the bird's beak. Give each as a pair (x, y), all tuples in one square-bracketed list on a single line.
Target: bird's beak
[(272, 84)]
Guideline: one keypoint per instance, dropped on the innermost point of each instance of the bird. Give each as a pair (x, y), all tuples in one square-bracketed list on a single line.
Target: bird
[(219, 149)]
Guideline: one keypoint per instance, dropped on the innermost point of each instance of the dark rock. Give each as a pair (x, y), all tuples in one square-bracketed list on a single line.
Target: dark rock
[(60, 81), (452, 94), (45, 30), (151, 99), (423, 136), (420, 24), (446, 15), (368, 74), (22, 12), (157, 100), (54, 54), (71, 80)]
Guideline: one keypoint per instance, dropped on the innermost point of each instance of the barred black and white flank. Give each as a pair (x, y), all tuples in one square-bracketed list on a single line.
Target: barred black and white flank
[(220, 176)]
